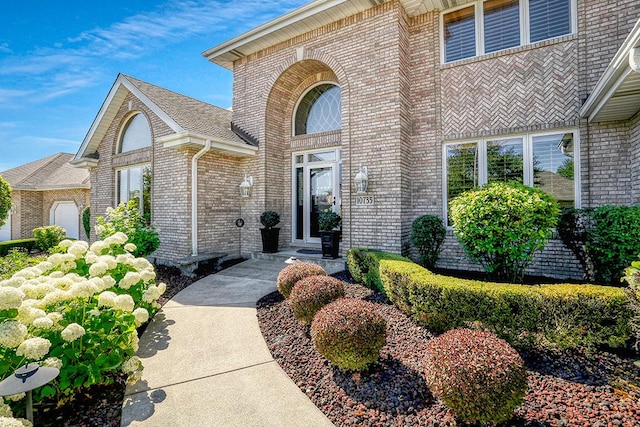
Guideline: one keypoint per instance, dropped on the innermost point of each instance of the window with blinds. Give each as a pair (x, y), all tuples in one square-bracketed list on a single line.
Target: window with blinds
[(553, 166), (549, 18), (459, 34), (462, 168), (505, 160), (500, 24)]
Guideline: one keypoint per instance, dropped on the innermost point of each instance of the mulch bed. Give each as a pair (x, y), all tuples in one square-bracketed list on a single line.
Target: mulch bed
[(566, 388)]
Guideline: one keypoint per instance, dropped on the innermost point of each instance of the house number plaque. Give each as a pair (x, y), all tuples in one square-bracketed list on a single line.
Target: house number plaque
[(364, 201)]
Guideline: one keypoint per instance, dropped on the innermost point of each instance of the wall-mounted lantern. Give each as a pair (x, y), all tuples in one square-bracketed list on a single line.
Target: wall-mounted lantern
[(246, 186), (361, 180)]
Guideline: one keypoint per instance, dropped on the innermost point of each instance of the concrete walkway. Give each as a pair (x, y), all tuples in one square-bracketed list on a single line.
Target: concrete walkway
[(206, 363)]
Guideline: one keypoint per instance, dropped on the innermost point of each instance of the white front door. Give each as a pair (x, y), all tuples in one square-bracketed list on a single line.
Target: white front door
[(5, 230), (65, 214), (316, 188)]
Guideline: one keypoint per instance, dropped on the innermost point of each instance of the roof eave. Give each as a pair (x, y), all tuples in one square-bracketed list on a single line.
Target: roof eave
[(84, 163), (195, 140), (52, 187)]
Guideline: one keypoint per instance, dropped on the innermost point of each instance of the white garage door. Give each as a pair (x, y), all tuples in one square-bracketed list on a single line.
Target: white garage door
[(65, 214), (5, 230)]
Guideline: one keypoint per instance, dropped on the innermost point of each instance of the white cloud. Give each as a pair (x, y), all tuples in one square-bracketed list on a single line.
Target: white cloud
[(4, 48)]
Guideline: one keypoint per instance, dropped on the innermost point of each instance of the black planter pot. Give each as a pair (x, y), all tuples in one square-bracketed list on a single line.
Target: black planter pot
[(330, 243), (270, 240)]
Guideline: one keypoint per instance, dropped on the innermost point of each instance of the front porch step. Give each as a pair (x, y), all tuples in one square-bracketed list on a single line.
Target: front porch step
[(330, 265), (191, 266)]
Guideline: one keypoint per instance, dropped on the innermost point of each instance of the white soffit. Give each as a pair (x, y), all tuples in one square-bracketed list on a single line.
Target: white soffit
[(616, 96), (304, 19), (190, 139)]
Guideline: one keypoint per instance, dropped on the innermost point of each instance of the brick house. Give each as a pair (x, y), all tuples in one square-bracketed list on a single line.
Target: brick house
[(429, 98), (48, 191)]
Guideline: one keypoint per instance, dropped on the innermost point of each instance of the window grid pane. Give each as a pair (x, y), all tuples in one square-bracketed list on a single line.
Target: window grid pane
[(501, 24), (553, 167), (549, 18), (319, 110), (462, 168), (505, 160), (459, 34)]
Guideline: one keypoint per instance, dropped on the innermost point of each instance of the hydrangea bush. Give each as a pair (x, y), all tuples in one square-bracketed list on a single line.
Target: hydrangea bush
[(7, 419), (78, 310), (289, 275), (312, 293)]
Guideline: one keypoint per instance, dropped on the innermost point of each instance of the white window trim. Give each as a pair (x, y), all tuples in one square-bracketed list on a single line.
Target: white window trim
[(479, 27), (301, 97), (116, 193), (121, 132), (527, 140)]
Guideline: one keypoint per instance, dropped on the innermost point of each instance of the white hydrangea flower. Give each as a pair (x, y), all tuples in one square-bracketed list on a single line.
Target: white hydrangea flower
[(77, 251), (141, 264), (129, 279), (52, 362), (90, 258), (26, 314), (45, 266), (42, 323), (100, 228), (63, 283), (10, 298), (56, 274), (72, 332), (84, 289), (14, 281), (43, 289), (12, 333), (107, 299), (134, 341), (99, 268), (110, 260), (55, 297), (5, 410), (94, 313), (55, 316), (109, 282), (130, 247), (151, 294), (67, 266), (56, 259), (111, 240), (132, 365), (147, 275), (66, 243), (124, 303), (141, 315), (162, 287), (34, 348), (98, 247), (16, 397), (125, 259), (122, 237)]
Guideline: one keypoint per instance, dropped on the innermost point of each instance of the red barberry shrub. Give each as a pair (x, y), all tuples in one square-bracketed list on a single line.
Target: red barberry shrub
[(312, 293), (476, 374), (349, 333), (294, 272)]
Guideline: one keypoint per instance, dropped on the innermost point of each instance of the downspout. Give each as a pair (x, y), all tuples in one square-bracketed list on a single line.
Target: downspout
[(194, 197)]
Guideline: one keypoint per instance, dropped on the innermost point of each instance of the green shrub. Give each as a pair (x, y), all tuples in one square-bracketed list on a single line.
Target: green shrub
[(312, 293), (126, 218), (49, 236), (632, 277), (479, 376), (5, 200), (502, 225), (86, 221), (427, 235), (565, 315), (289, 275), (363, 265), (269, 219), (573, 229), (349, 333), (328, 220), (16, 260), (27, 244)]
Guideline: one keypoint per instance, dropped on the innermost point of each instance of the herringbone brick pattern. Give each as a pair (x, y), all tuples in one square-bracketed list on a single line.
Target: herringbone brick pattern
[(530, 87)]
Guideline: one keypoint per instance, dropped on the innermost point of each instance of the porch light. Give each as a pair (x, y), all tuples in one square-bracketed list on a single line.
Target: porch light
[(361, 180), (246, 185)]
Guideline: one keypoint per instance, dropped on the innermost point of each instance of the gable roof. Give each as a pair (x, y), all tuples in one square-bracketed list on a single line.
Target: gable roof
[(51, 173), (309, 17), (616, 96), (193, 122)]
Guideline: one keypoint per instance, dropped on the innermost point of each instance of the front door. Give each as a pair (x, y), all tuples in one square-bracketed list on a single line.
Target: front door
[(316, 188)]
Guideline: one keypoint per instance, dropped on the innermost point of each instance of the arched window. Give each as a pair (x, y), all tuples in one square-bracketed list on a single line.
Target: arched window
[(319, 110), (136, 134)]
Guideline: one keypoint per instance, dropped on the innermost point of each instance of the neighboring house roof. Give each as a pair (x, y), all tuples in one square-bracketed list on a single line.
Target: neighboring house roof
[(307, 18), (193, 122), (616, 96), (51, 173)]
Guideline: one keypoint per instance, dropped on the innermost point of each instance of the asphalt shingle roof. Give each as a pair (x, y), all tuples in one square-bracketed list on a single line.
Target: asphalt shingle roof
[(53, 172)]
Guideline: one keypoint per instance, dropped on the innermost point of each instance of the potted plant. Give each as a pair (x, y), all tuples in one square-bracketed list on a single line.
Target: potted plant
[(269, 219), (328, 222)]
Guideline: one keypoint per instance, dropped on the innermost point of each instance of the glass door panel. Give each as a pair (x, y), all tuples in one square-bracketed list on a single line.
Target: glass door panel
[(321, 196)]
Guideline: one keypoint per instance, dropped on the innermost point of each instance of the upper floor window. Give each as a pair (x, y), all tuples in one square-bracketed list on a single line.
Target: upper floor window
[(493, 25), (136, 134), (319, 110)]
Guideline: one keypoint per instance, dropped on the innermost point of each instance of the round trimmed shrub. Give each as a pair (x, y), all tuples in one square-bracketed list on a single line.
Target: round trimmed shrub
[(289, 275), (349, 333), (476, 374), (312, 293)]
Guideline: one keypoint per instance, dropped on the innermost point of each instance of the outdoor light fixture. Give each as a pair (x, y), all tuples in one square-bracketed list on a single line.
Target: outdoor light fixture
[(361, 180), (25, 379), (246, 185), (291, 260)]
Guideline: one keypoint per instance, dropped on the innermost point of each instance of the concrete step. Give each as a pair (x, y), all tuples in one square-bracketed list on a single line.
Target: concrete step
[(330, 265)]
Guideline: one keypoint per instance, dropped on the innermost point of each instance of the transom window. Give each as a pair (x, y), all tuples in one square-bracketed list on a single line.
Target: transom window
[(134, 183), (135, 134), (544, 161), (493, 25), (319, 110)]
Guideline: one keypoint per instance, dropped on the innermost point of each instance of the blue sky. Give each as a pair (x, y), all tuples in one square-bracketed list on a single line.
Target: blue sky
[(59, 59)]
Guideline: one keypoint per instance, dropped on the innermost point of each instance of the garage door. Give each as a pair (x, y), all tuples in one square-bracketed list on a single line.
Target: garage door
[(5, 230), (65, 214)]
